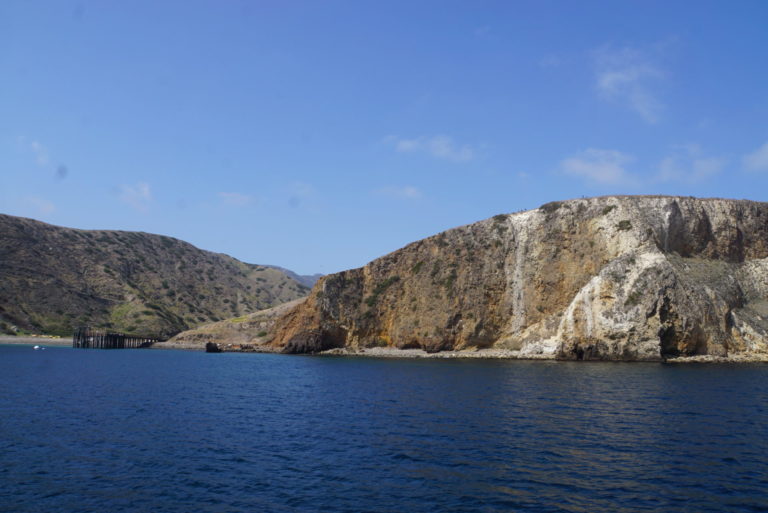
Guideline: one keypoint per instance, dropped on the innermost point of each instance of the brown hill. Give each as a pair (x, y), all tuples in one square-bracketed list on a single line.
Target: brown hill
[(53, 279)]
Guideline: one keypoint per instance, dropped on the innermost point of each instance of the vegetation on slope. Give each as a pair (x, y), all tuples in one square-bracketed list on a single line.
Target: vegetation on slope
[(53, 279)]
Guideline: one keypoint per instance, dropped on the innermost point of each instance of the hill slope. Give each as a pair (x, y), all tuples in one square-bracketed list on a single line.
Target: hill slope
[(53, 279), (603, 278)]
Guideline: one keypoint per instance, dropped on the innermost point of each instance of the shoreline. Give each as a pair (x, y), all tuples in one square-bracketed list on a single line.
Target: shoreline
[(491, 353), (35, 341), (391, 352), (506, 354)]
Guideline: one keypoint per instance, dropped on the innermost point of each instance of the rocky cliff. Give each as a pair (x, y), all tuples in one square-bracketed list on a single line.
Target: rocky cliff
[(618, 278), (53, 279)]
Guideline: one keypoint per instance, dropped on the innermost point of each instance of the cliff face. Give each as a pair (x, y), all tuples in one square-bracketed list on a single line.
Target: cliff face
[(53, 279), (627, 278)]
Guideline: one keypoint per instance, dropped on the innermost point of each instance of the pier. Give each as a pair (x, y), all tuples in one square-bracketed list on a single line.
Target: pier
[(94, 338)]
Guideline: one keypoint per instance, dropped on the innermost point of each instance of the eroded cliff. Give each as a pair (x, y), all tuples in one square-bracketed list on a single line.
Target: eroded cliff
[(626, 278)]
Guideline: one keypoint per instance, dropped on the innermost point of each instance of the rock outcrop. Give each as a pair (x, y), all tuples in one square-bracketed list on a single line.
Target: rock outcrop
[(616, 278), (247, 333)]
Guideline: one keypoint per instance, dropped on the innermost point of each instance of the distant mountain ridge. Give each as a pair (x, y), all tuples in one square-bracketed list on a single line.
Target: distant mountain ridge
[(53, 279), (308, 280)]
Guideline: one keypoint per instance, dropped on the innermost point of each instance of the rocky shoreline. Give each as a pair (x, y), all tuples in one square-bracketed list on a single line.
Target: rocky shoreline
[(491, 353), (503, 354), (385, 352)]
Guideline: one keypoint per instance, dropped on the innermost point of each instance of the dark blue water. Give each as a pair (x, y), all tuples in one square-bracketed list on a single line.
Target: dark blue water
[(166, 431)]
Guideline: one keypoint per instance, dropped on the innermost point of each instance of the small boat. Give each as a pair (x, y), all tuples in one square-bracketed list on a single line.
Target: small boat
[(36, 348)]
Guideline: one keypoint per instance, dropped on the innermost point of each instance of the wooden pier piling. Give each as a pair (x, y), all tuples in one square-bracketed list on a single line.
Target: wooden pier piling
[(93, 338)]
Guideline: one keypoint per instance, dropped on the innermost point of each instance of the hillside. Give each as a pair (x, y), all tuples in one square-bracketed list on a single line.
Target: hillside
[(53, 279), (623, 278)]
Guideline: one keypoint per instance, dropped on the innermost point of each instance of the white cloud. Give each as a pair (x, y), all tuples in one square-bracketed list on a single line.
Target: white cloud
[(757, 160), (438, 146), (600, 166), (137, 196), (406, 192), (688, 164), (41, 206), (39, 151), (626, 75), (235, 199)]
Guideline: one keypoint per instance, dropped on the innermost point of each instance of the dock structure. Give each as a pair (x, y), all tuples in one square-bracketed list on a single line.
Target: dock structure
[(93, 338)]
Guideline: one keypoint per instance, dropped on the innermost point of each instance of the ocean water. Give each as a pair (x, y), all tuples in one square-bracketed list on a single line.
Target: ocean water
[(169, 431)]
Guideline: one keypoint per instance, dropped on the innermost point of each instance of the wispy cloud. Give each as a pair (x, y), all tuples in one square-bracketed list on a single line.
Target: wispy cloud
[(406, 192), (599, 166), (757, 160), (41, 153), (626, 75), (35, 147), (438, 146), (235, 199), (40, 206), (137, 196), (688, 163)]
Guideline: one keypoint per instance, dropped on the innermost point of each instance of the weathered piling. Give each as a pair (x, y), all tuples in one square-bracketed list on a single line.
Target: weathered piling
[(92, 338)]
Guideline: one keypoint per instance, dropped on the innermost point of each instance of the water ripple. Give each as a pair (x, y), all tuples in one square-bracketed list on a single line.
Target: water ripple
[(127, 431)]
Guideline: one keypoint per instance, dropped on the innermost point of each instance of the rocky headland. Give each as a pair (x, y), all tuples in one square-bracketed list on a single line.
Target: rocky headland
[(609, 278)]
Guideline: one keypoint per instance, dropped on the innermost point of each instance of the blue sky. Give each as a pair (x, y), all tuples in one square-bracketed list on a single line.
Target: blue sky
[(320, 135)]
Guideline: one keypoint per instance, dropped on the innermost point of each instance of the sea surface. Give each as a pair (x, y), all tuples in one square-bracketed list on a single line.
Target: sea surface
[(173, 431)]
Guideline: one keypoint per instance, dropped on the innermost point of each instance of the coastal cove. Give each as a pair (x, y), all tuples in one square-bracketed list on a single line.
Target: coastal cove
[(384, 257), (138, 430)]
